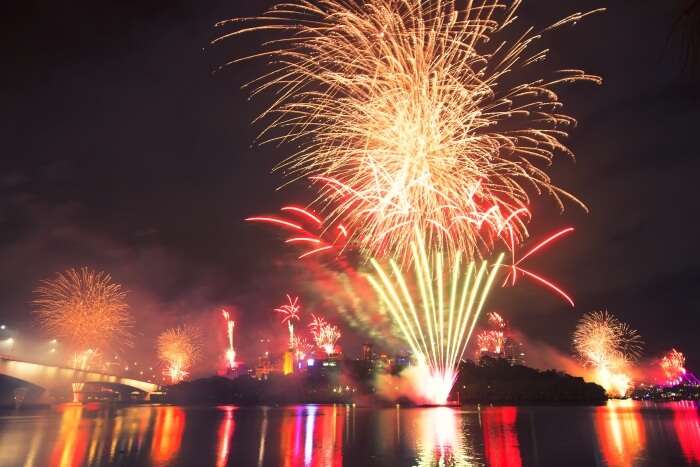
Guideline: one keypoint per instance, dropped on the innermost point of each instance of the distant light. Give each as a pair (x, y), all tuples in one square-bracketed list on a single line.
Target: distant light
[(3, 327), (310, 362), (10, 341), (52, 350)]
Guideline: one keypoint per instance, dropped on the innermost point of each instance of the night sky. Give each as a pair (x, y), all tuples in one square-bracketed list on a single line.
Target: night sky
[(123, 151)]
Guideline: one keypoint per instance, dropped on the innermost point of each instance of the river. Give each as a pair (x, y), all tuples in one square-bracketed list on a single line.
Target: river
[(622, 433)]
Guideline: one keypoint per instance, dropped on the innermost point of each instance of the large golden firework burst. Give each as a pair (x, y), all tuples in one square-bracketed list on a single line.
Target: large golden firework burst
[(84, 308), (601, 339), (414, 113)]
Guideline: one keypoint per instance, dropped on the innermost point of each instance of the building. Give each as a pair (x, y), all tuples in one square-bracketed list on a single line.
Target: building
[(367, 352), (513, 352)]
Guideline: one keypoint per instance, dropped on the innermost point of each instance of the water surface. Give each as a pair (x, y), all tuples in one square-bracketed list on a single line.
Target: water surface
[(623, 433)]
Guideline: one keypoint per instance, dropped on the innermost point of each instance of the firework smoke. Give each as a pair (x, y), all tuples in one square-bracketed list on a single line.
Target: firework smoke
[(85, 309)]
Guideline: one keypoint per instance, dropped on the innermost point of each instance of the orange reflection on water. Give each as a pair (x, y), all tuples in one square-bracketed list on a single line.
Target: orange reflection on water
[(501, 445), (225, 436), (167, 433), (71, 445), (312, 436), (620, 432), (441, 442), (291, 438), (687, 426)]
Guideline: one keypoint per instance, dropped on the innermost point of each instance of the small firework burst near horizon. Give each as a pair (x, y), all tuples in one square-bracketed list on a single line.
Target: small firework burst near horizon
[(673, 366), (290, 312), (492, 340), (674, 371), (609, 346), (325, 335), (85, 309), (410, 113), (178, 349)]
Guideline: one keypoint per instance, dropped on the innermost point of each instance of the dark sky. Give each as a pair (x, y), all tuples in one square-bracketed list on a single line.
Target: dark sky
[(122, 151)]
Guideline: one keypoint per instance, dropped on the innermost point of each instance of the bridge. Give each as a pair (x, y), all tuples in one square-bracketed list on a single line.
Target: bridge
[(39, 383)]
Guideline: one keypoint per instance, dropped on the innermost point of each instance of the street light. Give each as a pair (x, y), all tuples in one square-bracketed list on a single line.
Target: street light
[(2, 327)]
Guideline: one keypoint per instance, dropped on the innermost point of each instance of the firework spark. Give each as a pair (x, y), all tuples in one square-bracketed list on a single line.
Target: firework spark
[(85, 309), (178, 348), (325, 334), (609, 346), (439, 328), (407, 113), (309, 232), (302, 348), (515, 268), (673, 366), (230, 351), (290, 312), (492, 340), (497, 321)]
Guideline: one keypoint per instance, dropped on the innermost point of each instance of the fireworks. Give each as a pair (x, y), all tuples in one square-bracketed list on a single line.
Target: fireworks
[(290, 312), (493, 340), (85, 309), (308, 231), (178, 348), (325, 334), (515, 268), (411, 113), (497, 321), (673, 366), (439, 328), (490, 341), (230, 351), (609, 346), (302, 348)]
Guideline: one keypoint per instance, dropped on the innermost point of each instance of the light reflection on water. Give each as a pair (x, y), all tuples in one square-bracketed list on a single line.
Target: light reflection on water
[(620, 430), (501, 444), (623, 433), (687, 425)]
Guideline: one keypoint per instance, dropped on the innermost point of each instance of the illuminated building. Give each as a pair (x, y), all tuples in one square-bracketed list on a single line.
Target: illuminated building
[(513, 351), (288, 362), (263, 368)]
